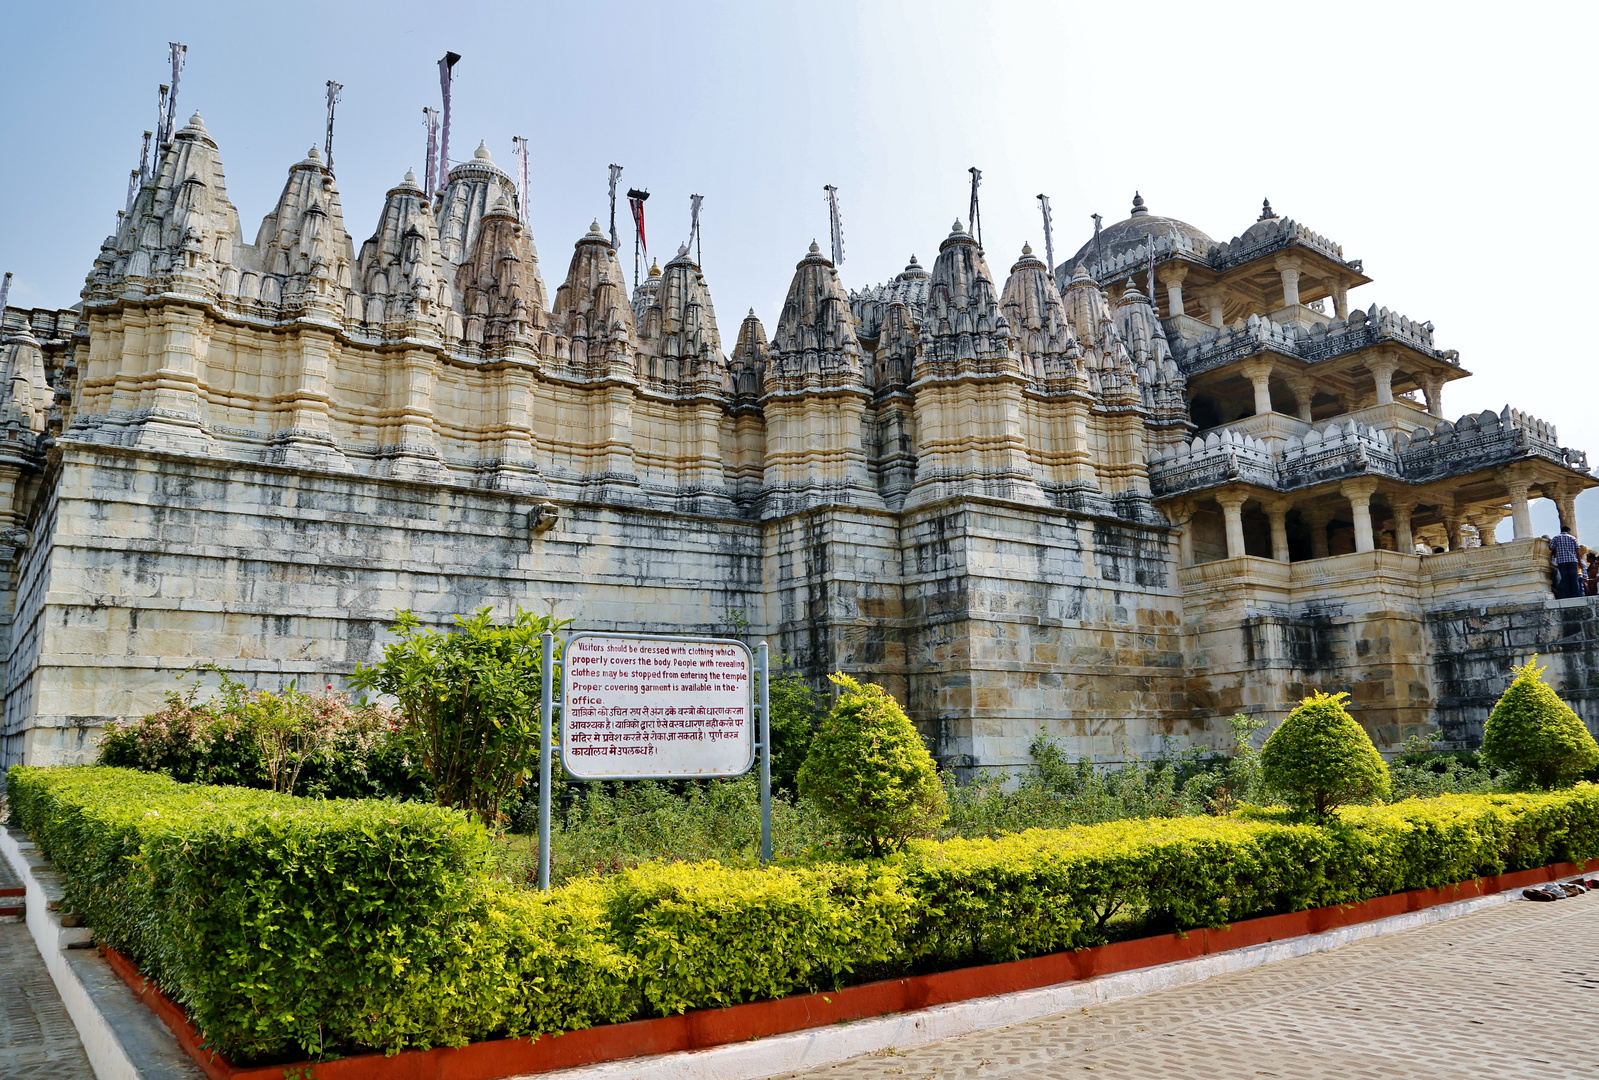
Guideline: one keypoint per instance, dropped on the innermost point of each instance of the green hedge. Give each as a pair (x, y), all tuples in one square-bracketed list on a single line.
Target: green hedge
[(293, 927)]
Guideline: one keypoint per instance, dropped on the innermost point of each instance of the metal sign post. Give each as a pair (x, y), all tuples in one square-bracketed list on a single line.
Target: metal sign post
[(652, 707)]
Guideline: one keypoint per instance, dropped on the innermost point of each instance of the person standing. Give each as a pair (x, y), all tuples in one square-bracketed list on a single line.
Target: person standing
[(1567, 568), (1593, 573)]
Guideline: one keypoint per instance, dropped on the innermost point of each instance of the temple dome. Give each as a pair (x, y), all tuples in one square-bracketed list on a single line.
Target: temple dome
[(1128, 234)]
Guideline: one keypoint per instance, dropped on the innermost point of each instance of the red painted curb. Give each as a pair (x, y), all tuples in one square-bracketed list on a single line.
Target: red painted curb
[(704, 1028), (16, 890)]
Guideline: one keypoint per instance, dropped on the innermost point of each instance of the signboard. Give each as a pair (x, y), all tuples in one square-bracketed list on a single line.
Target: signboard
[(636, 707)]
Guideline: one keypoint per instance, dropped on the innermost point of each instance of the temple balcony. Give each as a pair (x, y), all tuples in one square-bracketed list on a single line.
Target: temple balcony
[(1498, 573), (1306, 336)]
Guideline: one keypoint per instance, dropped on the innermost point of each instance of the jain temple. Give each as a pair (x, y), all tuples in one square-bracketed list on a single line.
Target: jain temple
[(1114, 500)]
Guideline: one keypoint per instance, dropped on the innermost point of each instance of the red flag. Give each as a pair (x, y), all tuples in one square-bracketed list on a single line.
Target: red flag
[(638, 221)]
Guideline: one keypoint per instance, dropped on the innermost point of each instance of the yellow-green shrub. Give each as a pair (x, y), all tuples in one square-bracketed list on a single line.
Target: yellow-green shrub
[(289, 927), (1320, 758), (1532, 731), (870, 772)]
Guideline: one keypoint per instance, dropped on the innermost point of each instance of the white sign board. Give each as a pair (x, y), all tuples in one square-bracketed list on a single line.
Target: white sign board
[(655, 707)]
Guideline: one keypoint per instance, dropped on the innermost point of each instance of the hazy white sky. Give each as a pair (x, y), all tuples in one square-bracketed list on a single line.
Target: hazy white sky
[(1451, 146)]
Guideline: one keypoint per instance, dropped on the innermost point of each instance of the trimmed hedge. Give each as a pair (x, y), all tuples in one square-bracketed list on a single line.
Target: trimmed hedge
[(292, 927)]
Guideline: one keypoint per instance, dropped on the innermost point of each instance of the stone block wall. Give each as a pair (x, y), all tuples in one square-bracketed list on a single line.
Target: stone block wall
[(1476, 646)]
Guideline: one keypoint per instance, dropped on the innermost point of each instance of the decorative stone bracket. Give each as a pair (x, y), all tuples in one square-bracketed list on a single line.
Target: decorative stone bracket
[(542, 518)]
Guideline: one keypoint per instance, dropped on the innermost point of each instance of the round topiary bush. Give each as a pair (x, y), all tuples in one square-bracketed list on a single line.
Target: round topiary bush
[(1534, 733), (869, 772), (1320, 758)]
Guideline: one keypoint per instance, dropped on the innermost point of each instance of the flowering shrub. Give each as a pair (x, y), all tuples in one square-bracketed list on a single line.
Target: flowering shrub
[(286, 740)]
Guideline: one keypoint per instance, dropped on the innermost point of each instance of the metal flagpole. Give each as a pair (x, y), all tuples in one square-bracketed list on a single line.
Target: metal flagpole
[(1049, 235), (694, 224), (446, 69), (144, 159), (546, 707), (178, 50), (333, 99), (641, 243), (1099, 256), (430, 117), (5, 289), (519, 148), (1150, 240), (616, 174), (761, 662), (974, 218), (161, 124), (835, 223)]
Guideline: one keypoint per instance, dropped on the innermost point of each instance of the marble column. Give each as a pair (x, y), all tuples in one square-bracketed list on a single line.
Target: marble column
[(1404, 537), (1382, 369), (1433, 387), (1566, 502), (1303, 390), (1277, 514), (1317, 518), (1288, 269), (1232, 507), (1172, 276), (1259, 372), (1212, 300), (1359, 493)]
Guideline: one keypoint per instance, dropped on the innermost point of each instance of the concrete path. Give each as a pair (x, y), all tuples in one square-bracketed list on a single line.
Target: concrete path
[(37, 1040), (1512, 991)]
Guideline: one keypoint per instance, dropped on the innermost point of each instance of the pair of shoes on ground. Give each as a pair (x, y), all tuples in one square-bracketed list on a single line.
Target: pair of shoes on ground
[(1559, 890)]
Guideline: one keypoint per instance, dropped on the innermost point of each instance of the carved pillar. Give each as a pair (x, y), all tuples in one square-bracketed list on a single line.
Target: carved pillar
[(1182, 516), (1486, 522), (1382, 369), (1359, 493), (1566, 501), (1404, 537), (1172, 276), (1454, 518), (1517, 482), (1433, 387), (1288, 268), (1232, 508), (1317, 518), (1277, 513), (1303, 390), (1211, 298), (1340, 297), (1258, 372)]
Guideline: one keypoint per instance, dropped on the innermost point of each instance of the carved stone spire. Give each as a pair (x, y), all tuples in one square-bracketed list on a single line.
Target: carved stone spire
[(501, 293), (181, 232), (963, 328), (1037, 316), (747, 365), (680, 346), (400, 274), (814, 346), (592, 318), (300, 265)]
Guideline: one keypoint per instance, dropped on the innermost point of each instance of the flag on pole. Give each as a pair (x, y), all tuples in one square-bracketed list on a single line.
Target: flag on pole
[(641, 244), (333, 99), (5, 288), (694, 225), (446, 73), (161, 124), (177, 50), (974, 219), (1049, 234), (835, 224), (519, 149), (430, 117), (1150, 240), (1099, 256), (616, 174)]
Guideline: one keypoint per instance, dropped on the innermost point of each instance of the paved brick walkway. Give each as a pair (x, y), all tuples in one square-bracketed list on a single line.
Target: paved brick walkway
[(37, 1041), (1508, 992)]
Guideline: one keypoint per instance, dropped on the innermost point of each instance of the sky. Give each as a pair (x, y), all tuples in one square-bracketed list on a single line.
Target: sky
[(1449, 146)]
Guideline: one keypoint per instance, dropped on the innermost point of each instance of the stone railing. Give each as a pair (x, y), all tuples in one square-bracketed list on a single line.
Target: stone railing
[(1336, 451), (1482, 439), (1274, 237), (1217, 458), (1312, 344), (1346, 448)]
